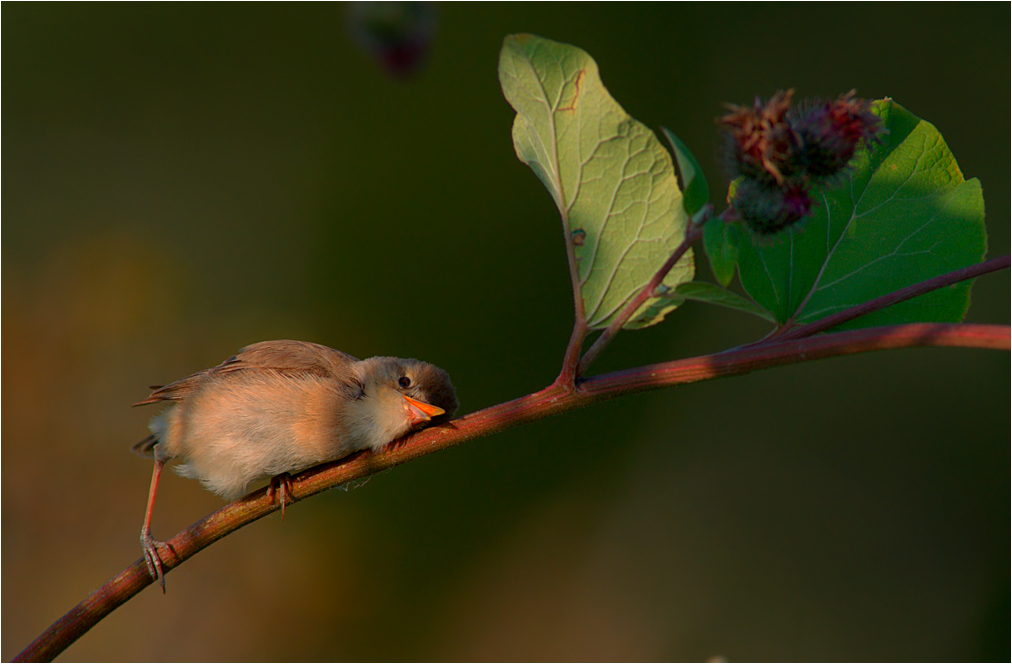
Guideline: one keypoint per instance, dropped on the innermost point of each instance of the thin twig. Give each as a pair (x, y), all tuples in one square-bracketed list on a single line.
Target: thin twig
[(879, 303), (552, 400), (692, 233)]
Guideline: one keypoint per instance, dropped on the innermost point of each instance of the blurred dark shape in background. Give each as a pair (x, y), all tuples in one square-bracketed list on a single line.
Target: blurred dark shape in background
[(398, 35), (181, 180)]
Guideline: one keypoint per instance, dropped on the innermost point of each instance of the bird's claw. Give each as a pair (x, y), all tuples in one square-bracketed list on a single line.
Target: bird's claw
[(281, 484), (152, 559)]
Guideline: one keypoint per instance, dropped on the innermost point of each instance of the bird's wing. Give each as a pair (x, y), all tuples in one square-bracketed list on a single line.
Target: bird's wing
[(293, 359), (289, 356), (174, 391)]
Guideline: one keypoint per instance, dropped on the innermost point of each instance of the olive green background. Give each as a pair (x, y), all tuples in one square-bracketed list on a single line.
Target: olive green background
[(181, 180)]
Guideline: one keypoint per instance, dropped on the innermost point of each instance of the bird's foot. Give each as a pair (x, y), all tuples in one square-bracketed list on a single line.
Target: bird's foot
[(281, 484), (152, 559)]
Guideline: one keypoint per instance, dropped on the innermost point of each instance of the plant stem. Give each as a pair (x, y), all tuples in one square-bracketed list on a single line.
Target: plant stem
[(879, 303), (550, 401), (692, 233), (567, 377)]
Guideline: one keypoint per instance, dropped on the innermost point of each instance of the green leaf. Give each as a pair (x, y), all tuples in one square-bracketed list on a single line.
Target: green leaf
[(612, 180), (695, 188), (720, 242), (702, 291), (902, 214)]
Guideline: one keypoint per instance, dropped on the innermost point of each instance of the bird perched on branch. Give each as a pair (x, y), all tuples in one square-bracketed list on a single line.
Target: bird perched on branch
[(279, 407)]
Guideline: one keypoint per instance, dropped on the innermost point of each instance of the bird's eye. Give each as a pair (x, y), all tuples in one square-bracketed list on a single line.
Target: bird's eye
[(404, 382)]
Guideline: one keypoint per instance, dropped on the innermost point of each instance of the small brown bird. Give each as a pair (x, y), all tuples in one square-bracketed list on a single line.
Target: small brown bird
[(279, 407)]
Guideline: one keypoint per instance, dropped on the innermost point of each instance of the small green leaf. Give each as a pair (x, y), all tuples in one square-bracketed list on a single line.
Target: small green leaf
[(902, 214), (694, 187), (612, 180), (702, 291), (720, 242)]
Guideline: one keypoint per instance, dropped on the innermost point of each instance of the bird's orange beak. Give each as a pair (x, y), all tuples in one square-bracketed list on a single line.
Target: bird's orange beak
[(419, 411)]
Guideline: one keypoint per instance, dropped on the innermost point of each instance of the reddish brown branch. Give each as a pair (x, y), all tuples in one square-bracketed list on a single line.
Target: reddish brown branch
[(553, 400)]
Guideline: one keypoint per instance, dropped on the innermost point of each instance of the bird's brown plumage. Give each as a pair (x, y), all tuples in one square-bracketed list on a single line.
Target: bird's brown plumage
[(279, 407)]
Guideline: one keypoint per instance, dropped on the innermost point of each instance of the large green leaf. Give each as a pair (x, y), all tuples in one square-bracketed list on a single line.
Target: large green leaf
[(612, 180), (902, 214)]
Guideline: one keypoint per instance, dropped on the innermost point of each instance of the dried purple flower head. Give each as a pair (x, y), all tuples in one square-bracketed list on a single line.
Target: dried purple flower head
[(779, 153), (831, 131), (767, 208), (763, 146)]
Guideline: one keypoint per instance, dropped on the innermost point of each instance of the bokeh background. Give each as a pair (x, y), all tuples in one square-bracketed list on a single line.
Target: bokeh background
[(182, 180)]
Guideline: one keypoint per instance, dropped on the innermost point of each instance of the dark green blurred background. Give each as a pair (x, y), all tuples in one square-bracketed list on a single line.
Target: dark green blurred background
[(182, 180)]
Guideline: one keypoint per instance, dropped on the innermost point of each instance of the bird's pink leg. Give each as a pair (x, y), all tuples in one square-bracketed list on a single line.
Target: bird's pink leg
[(149, 543), (281, 484)]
